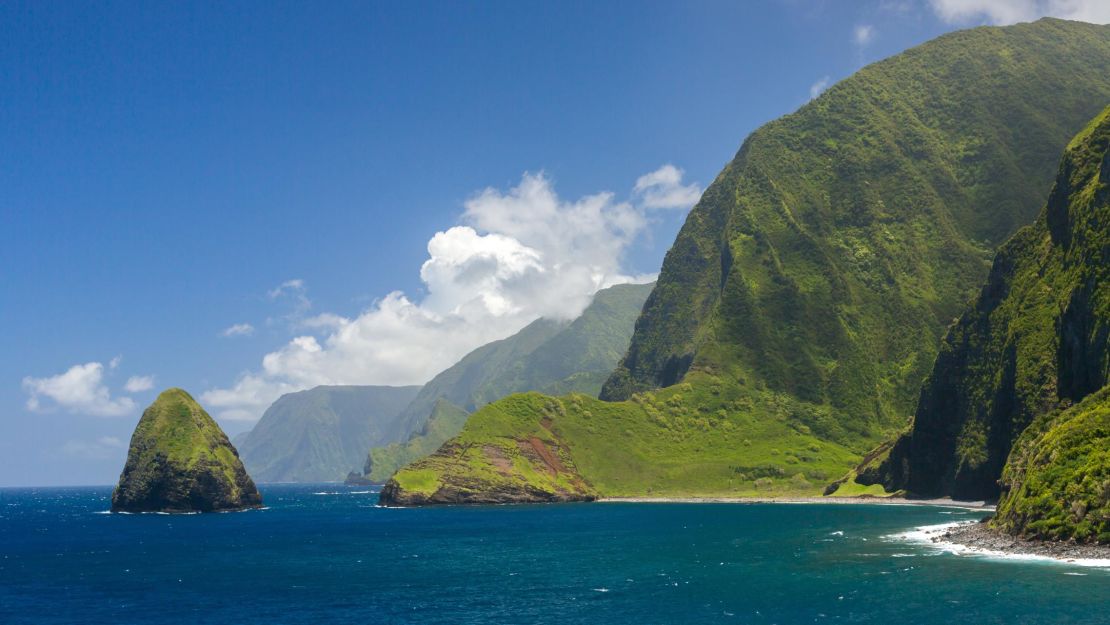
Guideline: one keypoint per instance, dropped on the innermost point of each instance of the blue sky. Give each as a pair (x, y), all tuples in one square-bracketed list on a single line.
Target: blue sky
[(174, 171)]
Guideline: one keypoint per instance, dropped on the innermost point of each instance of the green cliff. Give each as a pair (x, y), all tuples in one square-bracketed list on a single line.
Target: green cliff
[(805, 298), (827, 258), (181, 461), (1056, 485), (1034, 342), (322, 434), (547, 356)]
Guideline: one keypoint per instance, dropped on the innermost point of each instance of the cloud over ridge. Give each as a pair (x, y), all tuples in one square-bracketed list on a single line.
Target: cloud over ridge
[(1004, 12), (516, 255)]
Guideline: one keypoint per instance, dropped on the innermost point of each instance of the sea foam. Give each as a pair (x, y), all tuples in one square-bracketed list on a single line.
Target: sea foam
[(931, 536)]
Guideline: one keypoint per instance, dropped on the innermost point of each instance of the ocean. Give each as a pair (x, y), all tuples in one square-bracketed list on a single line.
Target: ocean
[(328, 554)]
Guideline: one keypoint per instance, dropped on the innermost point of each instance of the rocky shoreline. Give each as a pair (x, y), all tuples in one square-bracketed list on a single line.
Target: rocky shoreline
[(980, 537)]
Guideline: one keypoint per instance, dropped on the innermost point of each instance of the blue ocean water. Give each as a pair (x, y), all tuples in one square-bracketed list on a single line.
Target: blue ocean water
[(327, 554)]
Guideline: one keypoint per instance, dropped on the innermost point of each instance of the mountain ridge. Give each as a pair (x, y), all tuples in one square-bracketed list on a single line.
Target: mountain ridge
[(321, 434), (805, 297)]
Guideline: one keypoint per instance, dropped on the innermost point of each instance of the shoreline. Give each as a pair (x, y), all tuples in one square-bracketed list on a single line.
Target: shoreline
[(883, 501), (977, 539)]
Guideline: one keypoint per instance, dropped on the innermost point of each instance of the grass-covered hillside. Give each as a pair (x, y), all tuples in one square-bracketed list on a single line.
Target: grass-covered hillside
[(533, 447), (180, 460), (804, 300), (548, 356), (322, 434), (1036, 339)]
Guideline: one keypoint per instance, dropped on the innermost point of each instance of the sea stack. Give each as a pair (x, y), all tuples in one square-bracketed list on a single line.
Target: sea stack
[(181, 461)]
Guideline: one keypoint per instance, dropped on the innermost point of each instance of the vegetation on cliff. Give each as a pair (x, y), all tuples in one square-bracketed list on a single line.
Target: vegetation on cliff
[(1056, 485), (1035, 340), (181, 461), (827, 259)]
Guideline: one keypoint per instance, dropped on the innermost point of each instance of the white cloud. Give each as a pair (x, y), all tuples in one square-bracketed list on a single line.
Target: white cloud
[(81, 389), (102, 448), (289, 286), (139, 383), (663, 188), (1001, 12), (818, 87), (296, 292), (863, 34), (239, 329), (515, 256)]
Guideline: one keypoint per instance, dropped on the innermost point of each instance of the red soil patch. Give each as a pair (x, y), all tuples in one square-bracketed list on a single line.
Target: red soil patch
[(545, 454)]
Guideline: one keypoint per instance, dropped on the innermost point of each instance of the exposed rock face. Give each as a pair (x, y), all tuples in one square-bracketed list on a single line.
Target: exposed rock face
[(1034, 342), (478, 492), (181, 461)]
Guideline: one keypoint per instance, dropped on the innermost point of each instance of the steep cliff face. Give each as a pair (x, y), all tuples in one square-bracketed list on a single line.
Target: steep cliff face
[(1034, 341), (181, 461), (827, 259)]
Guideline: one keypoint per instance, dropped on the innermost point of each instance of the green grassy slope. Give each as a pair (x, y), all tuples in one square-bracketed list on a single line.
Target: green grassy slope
[(320, 435), (180, 460), (734, 443), (547, 356), (1035, 339), (813, 281)]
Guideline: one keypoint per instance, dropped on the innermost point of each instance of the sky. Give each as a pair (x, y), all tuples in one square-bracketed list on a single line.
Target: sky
[(247, 199)]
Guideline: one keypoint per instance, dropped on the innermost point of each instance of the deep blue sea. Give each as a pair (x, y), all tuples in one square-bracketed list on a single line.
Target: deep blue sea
[(327, 554)]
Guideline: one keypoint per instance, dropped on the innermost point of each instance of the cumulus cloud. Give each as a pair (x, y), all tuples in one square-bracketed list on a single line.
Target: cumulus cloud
[(1003, 12), (818, 87), (863, 34), (295, 292), (80, 390), (239, 329), (139, 383), (102, 448), (516, 255), (663, 188)]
